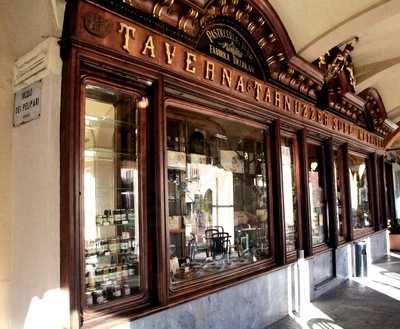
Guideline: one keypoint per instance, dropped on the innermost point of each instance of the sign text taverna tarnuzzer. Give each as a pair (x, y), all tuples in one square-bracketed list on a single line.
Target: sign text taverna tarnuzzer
[(141, 43)]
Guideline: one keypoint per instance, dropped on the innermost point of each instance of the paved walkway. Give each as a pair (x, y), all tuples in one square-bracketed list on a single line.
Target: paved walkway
[(367, 303)]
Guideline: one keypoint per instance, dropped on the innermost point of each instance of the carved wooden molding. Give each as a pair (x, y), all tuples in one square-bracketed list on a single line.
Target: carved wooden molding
[(185, 19), (256, 17), (375, 111)]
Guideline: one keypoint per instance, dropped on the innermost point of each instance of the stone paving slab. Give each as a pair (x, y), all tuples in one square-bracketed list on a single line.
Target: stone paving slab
[(355, 305)]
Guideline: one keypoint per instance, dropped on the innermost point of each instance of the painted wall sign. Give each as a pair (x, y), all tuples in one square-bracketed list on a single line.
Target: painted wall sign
[(27, 104), (228, 43), (171, 56)]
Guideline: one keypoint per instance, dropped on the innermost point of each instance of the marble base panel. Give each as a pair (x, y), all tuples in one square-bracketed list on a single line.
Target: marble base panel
[(259, 302), (254, 304)]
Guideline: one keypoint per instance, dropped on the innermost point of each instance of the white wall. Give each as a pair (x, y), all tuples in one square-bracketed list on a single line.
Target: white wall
[(29, 162), (36, 301), (6, 100)]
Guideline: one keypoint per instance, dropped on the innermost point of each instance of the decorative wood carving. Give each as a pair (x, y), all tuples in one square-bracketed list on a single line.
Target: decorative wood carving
[(338, 64), (97, 25), (258, 19), (152, 46), (331, 88), (339, 82), (375, 111)]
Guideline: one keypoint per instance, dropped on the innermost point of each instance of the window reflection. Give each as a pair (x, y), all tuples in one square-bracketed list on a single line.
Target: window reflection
[(111, 211), (316, 193), (289, 193), (360, 212), (217, 195)]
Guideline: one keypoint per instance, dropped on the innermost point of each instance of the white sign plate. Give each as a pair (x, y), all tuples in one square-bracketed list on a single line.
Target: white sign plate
[(27, 104)]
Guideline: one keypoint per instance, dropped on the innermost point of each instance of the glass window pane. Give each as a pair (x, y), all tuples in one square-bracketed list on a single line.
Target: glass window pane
[(217, 195), (111, 210), (337, 163), (360, 212), (316, 193), (289, 194)]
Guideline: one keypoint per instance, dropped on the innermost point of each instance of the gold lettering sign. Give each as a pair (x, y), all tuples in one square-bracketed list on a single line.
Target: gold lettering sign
[(226, 77), (170, 52), (148, 46), (209, 71), (287, 105), (258, 90), (190, 59), (278, 99), (240, 84), (267, 97), (129, 32)]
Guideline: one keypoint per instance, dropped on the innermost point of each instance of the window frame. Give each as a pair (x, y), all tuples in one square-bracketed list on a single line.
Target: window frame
[(325, 245), (205, 284), (359, 233), (135, 300), (82, 63), (341, 158), (292, 256)]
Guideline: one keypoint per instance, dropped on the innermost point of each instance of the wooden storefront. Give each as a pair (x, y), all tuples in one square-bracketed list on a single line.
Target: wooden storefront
[(198, 151)]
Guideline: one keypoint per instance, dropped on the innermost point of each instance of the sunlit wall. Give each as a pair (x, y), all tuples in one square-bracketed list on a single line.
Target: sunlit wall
[(6, 69)]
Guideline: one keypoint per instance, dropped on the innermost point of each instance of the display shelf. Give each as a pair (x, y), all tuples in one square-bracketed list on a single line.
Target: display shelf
[(95, 121), (99, 153)]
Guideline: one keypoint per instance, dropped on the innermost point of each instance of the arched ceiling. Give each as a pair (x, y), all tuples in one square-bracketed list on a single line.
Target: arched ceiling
[(313, 26), (24, 24), (316, 26)]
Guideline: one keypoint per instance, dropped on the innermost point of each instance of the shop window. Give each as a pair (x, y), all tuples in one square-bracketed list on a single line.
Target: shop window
[(390, 193), (113, 255), (217, 196), (359, 197), (395, 179), (289, 193), (339, 188), (317, 199)]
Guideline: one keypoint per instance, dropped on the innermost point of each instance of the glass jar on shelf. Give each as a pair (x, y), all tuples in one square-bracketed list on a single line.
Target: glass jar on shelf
[(117, 217), (125, 271), (106, 273), (126, 290), (117, 292), (99, 246), (99, 220), (131, 216), (105, 247), (131, 270), (113, 246), (125, 234), (98, 276), (124, 245), (113, 273), (89, 297), (124, 216), (119, 273), (110, 218)]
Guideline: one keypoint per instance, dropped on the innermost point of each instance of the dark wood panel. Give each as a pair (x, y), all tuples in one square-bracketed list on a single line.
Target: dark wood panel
[(279, 214), (305, 209), (88, 56), (331, 193), (381, 191), (373, 196), (347, 197)]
